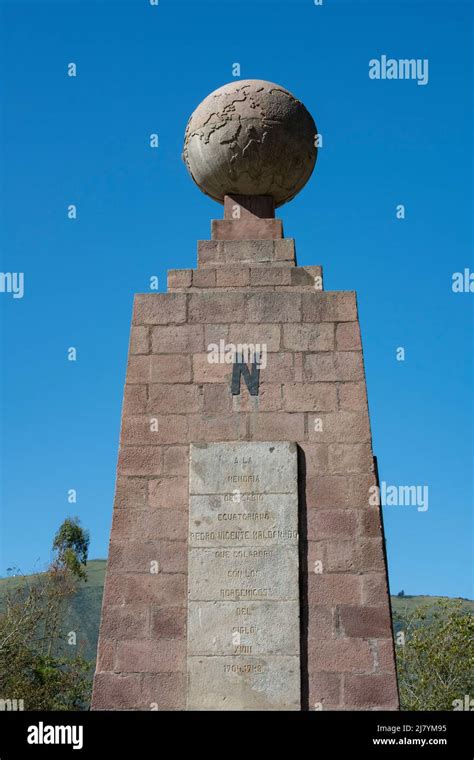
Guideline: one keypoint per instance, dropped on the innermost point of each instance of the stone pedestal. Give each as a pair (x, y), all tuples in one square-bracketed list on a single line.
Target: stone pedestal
[(334, 644)]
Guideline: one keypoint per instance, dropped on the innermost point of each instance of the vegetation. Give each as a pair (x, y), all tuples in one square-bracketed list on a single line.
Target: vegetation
[(435, 656), (35, 664)]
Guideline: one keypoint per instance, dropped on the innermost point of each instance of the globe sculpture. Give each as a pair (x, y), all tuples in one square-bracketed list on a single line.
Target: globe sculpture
[(251, 137)]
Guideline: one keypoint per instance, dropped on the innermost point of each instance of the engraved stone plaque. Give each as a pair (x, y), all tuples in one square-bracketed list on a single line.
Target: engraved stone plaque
[(243, 649)]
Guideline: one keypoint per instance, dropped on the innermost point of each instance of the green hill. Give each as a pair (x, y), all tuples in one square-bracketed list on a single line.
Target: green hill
[(84, 613)]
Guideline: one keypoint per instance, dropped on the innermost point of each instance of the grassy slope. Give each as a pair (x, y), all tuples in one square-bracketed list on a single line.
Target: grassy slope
[(84, 613)]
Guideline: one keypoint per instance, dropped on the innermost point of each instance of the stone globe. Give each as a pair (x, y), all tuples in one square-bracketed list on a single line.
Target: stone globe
[(250, 137)]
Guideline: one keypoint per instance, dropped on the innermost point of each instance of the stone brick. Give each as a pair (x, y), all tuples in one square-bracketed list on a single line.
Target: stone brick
[(173, 556), (385, 657), (277, 426), (249, 206), (315, 458), (131, 493), (160, 656), (298, 365), (139, 340), (168, 493), (352, 397), (328, 492), (203, 427), (216, 398), (215, 333), (327, 306), (267, 335), (340, 557), (341, 365), (209, 252), (341, 656), (132, 556), (369, 554), (166, 589), (348, 336), (360, 488), (374, 589), (254, 251), (284, 250), (233, 277), (139, 369), (140, 460), (150, 524), (325, 689), (309, 397), (124, 622), (217, 307), (339, 427), (170, 368), (369, 691), (269, 399), (177, 339), (315, 557), (279, 368), (154, 429), (205, 371), (176, 460), (320, 624), (364, 622), (273, 307), (105, 654), (350, 458), (159, 308), (332, 523), (248, 228), (170, 523), (135, 399), (309, 337), (165, 691), (174, 399), (270, 275), (334, 589), (370, 522), (120, 690), (168, 622), (305, 276), (179, 278), (204, 278)]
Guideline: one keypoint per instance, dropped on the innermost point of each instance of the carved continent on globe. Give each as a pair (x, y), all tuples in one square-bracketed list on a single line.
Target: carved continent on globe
[(251, 137)]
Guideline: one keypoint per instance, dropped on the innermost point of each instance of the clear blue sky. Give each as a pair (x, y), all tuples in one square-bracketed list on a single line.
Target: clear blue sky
[(143, 69)]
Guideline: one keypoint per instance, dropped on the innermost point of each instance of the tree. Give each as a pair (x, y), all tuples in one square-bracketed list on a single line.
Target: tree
[(34, 665), (435, 663), (71, 546)]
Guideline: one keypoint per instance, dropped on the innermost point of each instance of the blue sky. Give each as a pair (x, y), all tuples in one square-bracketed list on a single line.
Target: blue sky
[(85, 140)]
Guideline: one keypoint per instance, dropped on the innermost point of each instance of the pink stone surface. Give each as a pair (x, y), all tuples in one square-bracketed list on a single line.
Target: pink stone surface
[(313, 392)]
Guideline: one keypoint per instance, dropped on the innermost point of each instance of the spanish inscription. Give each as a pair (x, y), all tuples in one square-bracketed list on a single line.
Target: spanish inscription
[(243, 607)]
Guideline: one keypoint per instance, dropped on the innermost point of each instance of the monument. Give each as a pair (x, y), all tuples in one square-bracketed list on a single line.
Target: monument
[(246, 566)]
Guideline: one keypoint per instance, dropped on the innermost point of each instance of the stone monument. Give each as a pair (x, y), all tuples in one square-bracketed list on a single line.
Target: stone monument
[(246, 566)]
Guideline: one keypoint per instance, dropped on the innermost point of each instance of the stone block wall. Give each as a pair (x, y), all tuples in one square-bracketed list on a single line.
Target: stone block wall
[(313, 392)]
